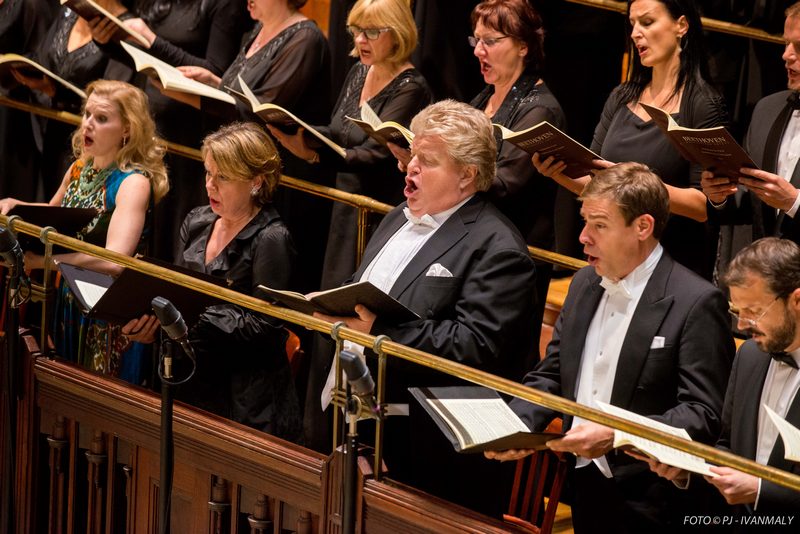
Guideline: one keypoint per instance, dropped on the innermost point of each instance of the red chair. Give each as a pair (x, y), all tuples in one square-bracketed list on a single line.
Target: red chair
[(528, 491)]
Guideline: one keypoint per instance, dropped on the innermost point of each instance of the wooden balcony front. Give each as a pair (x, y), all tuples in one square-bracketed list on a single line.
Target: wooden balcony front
[(87, 460)]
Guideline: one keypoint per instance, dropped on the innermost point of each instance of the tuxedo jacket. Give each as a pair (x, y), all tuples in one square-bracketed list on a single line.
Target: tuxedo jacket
[(740, 427), (480, 316), (763, 142), (681, 383)]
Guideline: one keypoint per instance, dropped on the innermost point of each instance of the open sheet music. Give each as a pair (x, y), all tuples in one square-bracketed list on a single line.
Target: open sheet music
[(476, 419), (663, 453)]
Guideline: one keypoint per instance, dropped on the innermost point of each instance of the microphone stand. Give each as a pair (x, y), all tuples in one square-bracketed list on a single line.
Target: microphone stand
[(11, 396), (167, 445), (353, 407)]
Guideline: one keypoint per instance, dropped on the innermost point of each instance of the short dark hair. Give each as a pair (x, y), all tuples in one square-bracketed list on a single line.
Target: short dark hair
[(635, 189), (517, 19), (776, 261)]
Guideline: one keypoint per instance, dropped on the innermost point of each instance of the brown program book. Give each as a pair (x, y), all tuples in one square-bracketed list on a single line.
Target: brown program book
[(89, 9), (548, 140), (714, 149)]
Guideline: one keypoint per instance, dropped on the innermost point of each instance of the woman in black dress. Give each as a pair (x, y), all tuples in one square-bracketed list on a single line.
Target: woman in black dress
[(384, 35), (668, 72), (242, 369)]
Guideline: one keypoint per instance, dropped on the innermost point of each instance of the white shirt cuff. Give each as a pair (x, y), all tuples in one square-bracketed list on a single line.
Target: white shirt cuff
[(758, 495), (794, 207)]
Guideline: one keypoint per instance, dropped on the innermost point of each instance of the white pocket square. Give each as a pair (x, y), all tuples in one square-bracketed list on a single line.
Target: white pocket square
[(437, 269), (658, 343)]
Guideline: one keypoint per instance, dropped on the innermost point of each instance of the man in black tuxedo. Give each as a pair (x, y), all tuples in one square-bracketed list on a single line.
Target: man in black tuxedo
[(770, 201), (450, 256), (638, 331), (764, 282)]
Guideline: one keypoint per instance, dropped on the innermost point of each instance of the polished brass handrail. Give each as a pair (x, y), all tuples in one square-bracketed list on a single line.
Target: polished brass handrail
[(393, 349), (716, 25)]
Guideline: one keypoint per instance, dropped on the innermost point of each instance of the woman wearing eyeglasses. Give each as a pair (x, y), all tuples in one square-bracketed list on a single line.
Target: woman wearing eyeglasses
[(384, 36), (508, 39)]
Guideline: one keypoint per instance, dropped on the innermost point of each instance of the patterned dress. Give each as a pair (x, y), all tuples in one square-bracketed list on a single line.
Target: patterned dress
[(92, 343)]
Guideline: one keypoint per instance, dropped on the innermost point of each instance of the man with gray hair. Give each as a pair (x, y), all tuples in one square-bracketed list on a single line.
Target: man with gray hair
[(450, 256), (638, 331)]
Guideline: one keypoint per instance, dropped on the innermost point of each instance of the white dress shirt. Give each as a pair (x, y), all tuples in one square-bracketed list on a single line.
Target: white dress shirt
[(789, 154), (780, 387), (604, 340), (384, 270)]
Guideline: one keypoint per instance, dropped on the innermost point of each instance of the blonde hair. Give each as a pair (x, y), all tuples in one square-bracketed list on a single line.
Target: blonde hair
[(141, 150), (393, 14), (243, 151), (467, 134)]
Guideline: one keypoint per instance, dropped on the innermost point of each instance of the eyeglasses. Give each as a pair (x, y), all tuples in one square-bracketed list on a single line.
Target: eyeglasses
[(750, 323), (369, 33), (487, 42)]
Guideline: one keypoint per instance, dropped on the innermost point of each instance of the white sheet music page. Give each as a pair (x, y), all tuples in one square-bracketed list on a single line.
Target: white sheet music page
[(91, 293), (790, 435)]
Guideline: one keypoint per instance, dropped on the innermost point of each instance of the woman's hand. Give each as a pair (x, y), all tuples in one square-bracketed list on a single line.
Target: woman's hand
[(140, 27), (42, 84), (143, 329), (715, 188), (296, 144), (555, 170), (403, 155), (8, 204), (201, 75), (102, 29)]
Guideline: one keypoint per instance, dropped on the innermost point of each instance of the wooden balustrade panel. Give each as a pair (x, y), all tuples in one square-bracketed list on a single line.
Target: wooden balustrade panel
[(204, 445), (389, 507)]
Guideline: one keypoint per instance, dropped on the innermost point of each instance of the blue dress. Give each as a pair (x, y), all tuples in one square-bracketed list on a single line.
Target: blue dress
[(95, 344)]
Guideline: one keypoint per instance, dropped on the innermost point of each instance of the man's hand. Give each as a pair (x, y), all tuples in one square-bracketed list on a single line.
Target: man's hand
[(735, 486), (510, 454), (663, 470), (716, 188), (363, 322), (772, 189), (588, 439)]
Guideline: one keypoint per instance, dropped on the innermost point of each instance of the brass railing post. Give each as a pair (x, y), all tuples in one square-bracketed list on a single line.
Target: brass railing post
[(380, 394), (337, 387)]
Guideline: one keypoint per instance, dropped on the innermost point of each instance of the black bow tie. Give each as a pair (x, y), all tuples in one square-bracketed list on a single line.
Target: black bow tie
[(784, 357), (794, 100)]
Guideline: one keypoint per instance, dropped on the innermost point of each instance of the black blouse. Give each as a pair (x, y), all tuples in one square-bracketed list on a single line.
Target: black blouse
[(521, 193), (242, 368), (292, 70), (399, 101)]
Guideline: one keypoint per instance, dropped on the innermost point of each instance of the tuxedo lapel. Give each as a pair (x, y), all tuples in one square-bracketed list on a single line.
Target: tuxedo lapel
[(451, 232), (647, 318), (573, 332)]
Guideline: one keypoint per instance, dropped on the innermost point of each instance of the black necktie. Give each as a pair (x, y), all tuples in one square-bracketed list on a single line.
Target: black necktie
[(784, 357), (794, 100)]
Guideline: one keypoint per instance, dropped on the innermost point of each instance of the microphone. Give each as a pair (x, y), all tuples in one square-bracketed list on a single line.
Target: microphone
[(172, 323), (11, 253), (361, 383)]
